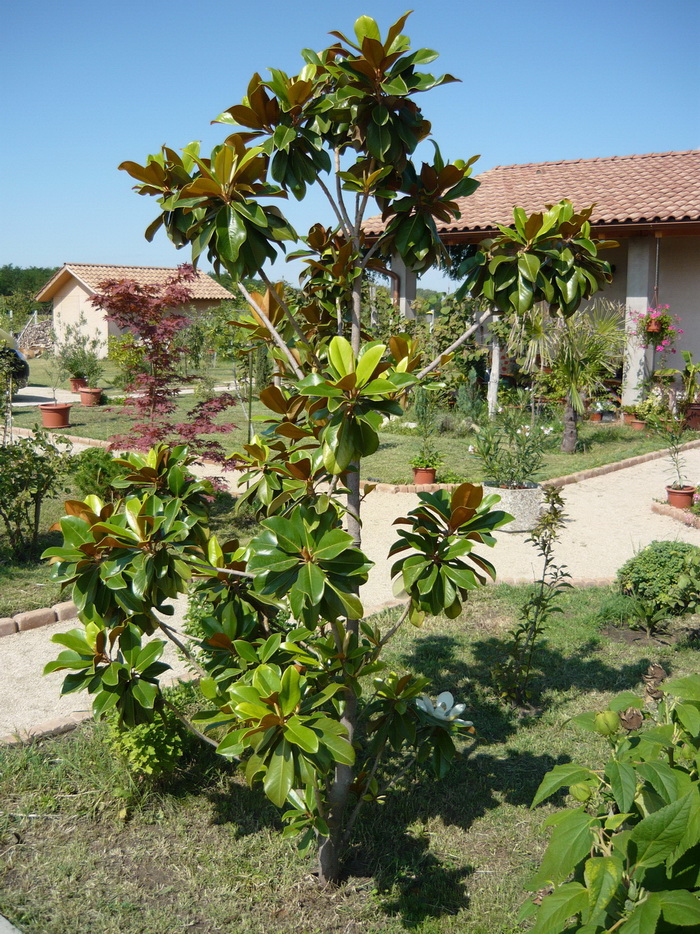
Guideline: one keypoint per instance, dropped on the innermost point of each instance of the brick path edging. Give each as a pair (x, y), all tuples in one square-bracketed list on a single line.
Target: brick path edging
[(680, 515), (34, 619)]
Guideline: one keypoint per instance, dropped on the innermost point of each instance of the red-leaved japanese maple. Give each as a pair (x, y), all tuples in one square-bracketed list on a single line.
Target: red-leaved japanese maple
[(154, 314)]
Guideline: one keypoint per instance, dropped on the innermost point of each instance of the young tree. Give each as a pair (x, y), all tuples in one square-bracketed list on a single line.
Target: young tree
[(152, 313), (293, 672)]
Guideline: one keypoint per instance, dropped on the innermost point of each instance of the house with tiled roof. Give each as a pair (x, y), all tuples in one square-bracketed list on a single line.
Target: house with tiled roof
[(72, 287), (649, 204)]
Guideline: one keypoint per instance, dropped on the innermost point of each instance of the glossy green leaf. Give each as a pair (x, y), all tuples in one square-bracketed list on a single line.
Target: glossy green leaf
[(279, 776)]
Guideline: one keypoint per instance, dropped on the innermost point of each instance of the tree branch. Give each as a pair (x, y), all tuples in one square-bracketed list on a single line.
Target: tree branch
[(190, 726), (458, 343), (342, 223), (272, 329), (170, 633), (290, 317), (351, 231)]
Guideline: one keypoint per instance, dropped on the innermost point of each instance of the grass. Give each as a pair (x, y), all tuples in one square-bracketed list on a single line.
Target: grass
[(203, 853), (599, 443), (41, 374)]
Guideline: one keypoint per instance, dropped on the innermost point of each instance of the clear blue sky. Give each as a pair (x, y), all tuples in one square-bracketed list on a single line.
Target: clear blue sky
[(89, 84)]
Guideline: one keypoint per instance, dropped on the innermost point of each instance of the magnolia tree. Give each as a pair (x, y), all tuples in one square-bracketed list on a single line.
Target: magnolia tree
[(292, 671)]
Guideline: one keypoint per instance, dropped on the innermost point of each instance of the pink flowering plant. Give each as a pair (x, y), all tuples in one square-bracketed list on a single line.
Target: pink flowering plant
[(657, 327)]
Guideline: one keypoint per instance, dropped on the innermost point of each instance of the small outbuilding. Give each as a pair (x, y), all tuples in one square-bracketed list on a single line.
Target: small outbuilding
[(72, 287)]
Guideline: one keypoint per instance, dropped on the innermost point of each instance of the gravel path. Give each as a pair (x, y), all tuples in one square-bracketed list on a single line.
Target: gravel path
[(610, 519)]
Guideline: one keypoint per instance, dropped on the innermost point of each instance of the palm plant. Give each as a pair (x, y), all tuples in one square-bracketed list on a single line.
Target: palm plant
[(580, 351)]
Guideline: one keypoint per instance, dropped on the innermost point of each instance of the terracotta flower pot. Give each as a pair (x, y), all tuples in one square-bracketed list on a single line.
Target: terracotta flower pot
[(55, 414), (423, 475), (680, 498), (637, 424), (653, 327), (90, 396), (629, 417), (596, 417), (77, 383)]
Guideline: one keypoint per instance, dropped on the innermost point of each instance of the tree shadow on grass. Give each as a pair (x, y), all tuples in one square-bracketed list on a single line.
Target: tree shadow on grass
[(414, 882), (553, 670)]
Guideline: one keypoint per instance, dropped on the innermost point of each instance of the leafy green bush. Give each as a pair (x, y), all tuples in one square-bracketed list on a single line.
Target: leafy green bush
[(657, 576), (31, 469), (150, 750), (631, 839), (95, 471)]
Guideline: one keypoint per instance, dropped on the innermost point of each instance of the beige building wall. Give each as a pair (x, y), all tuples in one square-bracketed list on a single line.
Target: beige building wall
[(679, 287), (70, 302), (73, 299)]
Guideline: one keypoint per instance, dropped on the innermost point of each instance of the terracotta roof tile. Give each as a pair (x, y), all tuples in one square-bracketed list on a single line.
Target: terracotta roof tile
[(203, 287), (642, 188)]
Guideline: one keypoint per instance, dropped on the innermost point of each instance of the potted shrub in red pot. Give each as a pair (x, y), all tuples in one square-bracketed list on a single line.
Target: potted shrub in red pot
[(671, 429), (77, 356), (425, 464), (90, 394)]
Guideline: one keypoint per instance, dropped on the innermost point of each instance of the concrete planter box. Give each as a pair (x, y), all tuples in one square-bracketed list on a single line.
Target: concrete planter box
[(524, 504)]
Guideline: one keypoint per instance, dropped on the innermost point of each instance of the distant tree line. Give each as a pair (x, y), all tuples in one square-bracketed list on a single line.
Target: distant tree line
[(18, 286)]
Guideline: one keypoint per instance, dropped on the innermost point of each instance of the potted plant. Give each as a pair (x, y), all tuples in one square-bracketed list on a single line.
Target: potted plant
[(428, 459), (671, 429), (78, 357), (657, 327), (601, 407), (511, 452), (425, 464), (55, 414), (652, 409)]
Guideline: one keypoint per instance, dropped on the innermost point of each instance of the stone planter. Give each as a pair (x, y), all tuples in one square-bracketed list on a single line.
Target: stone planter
[(680, 498), (90, 396), (423, 475), (524, 504), (55, 414)]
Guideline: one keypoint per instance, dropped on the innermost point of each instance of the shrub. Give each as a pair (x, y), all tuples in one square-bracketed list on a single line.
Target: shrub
[(95, 471), (30, 470), (657, 576), (631, 835), (149, 750)]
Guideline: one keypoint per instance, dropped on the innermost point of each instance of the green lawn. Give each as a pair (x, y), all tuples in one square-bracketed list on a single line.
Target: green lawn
[(84, 851), (599, 443)]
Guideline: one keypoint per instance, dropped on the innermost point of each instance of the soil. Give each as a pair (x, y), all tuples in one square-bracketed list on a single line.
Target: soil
[(675, 633)]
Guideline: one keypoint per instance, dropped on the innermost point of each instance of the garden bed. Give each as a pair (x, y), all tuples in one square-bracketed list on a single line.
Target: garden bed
[(83, 851)]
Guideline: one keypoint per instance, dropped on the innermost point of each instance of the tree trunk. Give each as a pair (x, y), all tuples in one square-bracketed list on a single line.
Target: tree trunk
[(494, 376), (328, 853), (570, 437)]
